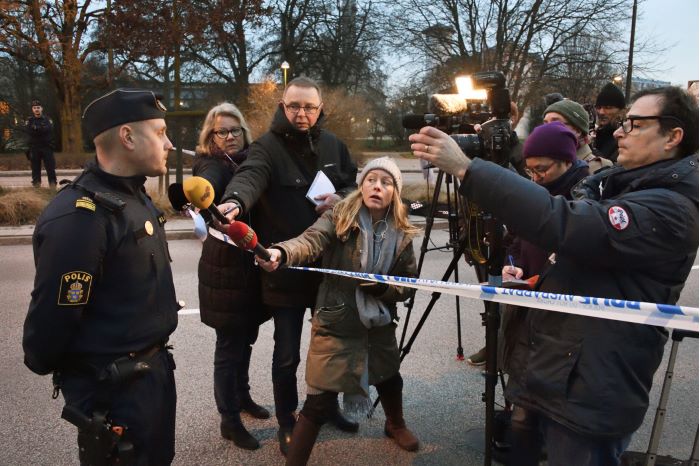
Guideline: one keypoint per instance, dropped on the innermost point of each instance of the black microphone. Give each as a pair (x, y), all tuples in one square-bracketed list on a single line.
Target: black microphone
[(200, 193), (176, 196)]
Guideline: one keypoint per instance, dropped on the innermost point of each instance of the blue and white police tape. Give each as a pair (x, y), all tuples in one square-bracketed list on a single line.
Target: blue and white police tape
[(663, 315)]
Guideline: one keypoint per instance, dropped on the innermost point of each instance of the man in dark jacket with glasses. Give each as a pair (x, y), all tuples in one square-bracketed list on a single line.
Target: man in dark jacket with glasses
[(272, 185), (584, 382)]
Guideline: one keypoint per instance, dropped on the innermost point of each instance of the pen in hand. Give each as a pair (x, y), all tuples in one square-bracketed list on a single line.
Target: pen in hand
[(512, 266)]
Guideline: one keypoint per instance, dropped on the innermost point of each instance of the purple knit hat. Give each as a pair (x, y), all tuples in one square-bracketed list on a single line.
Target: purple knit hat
[(553, 140)]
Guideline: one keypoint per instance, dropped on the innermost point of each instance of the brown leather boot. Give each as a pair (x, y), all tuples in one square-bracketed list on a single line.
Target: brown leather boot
[(303, 440), (395, 426)]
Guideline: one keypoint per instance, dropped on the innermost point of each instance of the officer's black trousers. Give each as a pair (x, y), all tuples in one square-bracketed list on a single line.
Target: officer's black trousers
[(145, 405), (45, 154)]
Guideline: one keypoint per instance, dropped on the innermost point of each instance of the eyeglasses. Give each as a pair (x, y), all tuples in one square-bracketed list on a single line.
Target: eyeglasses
[(308, 109), (627, 124), (223, 132), (539, 171)]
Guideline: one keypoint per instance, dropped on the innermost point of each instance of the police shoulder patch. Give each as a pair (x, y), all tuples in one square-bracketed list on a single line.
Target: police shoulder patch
[(85, 203), (75, 288)]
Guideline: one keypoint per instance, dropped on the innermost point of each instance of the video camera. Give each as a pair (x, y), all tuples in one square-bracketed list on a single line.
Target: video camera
[(455, 116)]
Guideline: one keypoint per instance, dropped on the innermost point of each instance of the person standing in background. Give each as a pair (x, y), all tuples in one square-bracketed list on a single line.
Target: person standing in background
[(40, 131), (610, 110)]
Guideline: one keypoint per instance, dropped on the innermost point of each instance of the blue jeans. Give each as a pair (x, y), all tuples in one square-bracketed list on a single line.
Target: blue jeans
[(231, 363), (285, 361), (564, 446)]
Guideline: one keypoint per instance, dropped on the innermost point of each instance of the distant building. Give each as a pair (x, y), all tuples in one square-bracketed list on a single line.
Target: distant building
[(639, 84)]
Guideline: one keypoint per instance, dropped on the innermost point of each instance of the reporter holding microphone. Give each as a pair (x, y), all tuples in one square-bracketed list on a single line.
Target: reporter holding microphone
[(229, 283), (272, 185), (353, 330)]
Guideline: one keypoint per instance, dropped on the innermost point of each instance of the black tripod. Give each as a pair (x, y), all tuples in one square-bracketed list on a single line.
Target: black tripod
[(454, 209), (480, 235)]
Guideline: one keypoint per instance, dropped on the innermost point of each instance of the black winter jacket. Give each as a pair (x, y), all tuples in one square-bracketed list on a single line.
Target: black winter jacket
[(272, 184), (605, 145), (229, 282), (40, 131), (637, 243), (103, 281)]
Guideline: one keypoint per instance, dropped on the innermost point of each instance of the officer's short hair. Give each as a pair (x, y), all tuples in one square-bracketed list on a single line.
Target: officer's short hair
[(677, 103), (108, 138)]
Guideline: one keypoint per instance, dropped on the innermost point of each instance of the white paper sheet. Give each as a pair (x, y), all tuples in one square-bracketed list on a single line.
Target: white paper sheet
[(320, 185)]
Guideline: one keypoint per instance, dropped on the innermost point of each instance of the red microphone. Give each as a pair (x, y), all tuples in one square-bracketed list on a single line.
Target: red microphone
[(245, 238)]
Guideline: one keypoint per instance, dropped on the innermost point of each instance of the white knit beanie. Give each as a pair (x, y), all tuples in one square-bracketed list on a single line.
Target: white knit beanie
[(388, 165)]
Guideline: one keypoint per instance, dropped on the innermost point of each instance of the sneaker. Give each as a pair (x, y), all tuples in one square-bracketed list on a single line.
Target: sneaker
[(478, 358)]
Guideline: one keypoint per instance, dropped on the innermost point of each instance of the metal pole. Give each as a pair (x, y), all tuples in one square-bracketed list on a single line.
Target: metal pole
[(628, 84)]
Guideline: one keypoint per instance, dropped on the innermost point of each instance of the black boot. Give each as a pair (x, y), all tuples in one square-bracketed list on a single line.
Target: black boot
[(303, 440), (338, 419), (284, 435), (233, 429), (395, 426), (251, 407)]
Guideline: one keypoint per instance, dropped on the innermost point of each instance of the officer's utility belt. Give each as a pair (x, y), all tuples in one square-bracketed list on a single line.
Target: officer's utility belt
[(102, 366), (101, 441)]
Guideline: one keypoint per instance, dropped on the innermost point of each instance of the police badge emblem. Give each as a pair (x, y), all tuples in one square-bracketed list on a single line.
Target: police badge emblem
[(74, 289)]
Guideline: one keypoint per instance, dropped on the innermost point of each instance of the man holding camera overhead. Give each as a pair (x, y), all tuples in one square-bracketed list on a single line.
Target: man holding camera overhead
[(583, 383)]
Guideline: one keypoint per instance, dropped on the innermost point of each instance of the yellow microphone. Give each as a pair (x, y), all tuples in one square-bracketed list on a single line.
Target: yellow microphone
[(200, 193)]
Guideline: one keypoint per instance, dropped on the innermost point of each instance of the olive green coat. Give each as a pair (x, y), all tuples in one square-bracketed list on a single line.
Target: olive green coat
[(340, 343)]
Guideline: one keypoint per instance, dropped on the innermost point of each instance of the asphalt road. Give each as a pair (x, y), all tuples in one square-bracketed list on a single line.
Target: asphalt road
[(442, 395)]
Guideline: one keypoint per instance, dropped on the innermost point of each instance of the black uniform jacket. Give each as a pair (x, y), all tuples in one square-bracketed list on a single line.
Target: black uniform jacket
[(229, 282), (272, 184), (40, 132), (103, 282), (637, 243)]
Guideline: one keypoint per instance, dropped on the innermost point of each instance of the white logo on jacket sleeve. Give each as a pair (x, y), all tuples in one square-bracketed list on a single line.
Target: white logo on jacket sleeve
[(618, 217)]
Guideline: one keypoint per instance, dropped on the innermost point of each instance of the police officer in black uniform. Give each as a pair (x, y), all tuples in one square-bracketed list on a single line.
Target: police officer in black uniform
[(104, 304), (40, 131)]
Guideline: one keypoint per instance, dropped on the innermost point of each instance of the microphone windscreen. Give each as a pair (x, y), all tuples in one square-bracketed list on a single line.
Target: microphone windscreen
[(176, 196), (413, 121), (447, 104), (242, 235), (199, 191)]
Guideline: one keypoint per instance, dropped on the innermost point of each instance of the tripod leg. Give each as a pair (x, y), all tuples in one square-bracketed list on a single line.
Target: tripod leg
[(429, 221)]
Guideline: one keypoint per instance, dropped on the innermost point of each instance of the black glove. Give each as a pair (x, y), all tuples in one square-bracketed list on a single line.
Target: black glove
[(374, 288)]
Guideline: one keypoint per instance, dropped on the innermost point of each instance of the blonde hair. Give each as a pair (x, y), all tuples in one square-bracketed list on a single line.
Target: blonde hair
[(225, 109), (345, 213)]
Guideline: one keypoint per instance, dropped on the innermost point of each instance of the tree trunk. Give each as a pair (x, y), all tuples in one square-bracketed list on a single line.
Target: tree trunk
[(70, 109)]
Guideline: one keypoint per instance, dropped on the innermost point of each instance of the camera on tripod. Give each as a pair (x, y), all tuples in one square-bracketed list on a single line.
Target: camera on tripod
[(453, 114)]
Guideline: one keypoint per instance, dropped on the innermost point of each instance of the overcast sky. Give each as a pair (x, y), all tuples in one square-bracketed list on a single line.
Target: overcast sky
[(673, 23)]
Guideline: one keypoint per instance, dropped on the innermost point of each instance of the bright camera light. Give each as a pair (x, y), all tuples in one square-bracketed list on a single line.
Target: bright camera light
[(465, 88)]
